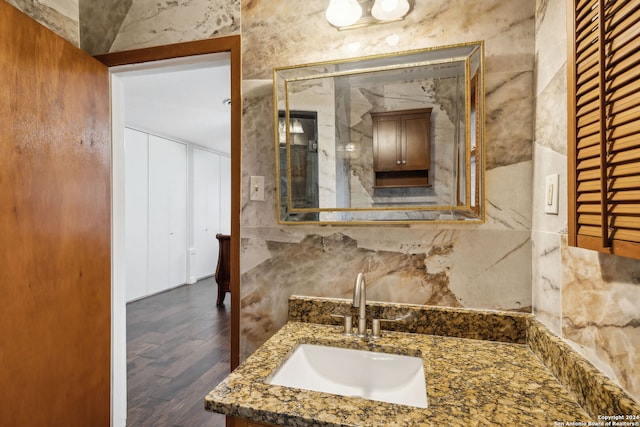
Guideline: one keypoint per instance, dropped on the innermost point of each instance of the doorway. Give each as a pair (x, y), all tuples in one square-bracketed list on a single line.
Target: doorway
[(177, 170), (144, 58)]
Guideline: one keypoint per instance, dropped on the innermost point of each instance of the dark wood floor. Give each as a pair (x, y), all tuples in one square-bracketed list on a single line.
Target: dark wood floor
[(177, 351)]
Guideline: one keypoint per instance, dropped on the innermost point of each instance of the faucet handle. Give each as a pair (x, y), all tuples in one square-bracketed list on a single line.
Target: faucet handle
[(376, 332), (375, 328), (348, 323)]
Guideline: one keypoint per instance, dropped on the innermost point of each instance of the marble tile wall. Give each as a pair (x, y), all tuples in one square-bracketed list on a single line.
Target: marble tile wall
[(100, 22), (160, 22), (477, 266), (591, 300), (60, 16)]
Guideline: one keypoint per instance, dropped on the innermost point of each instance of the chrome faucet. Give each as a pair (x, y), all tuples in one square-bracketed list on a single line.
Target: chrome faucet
[(360, 301)]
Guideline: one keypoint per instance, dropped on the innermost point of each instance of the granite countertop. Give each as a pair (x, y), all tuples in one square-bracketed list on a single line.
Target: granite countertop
[(482, 368), (469, 382)]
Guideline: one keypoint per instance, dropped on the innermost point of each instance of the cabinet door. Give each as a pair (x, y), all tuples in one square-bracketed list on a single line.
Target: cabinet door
[(386, 144), (415, 142)]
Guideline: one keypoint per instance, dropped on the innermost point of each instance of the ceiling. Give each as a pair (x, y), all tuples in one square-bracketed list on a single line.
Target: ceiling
[(182, 100)]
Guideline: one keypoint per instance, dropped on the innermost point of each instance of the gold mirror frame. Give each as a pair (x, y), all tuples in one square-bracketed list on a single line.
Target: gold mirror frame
[(467, 148)]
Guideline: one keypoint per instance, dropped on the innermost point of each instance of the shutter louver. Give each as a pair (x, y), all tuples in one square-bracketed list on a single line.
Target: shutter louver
[(604, 91)]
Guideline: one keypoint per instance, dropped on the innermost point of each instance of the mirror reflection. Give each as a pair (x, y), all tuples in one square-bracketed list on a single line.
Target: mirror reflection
[(394, 138)]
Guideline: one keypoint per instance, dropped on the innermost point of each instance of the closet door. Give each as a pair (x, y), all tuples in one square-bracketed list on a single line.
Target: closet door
[(136, 212), (167, 214), (158, 267), (206, 191), (177, 195)]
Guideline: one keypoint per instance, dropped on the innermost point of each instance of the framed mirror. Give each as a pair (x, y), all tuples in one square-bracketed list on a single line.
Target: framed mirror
[(391, 138)]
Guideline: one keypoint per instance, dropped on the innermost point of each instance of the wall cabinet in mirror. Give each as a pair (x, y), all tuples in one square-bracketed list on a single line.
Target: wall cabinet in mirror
[(402, 148)]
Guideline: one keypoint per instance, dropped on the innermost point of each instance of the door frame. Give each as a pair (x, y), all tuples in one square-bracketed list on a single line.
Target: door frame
[(232, 45)]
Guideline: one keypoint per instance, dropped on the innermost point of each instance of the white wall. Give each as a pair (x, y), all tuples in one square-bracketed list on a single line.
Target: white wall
[(177, 197)]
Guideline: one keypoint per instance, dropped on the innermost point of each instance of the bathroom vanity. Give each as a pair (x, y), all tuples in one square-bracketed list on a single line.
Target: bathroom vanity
[(480, 368)]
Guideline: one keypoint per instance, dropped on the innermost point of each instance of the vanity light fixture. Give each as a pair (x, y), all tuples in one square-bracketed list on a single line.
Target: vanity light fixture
[(348, 14)]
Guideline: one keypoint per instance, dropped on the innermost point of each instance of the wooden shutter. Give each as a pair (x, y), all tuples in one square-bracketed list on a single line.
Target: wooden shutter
[(604, 126)]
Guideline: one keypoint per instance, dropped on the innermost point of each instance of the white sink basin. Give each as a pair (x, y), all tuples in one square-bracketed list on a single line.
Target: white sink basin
[(385, 377)]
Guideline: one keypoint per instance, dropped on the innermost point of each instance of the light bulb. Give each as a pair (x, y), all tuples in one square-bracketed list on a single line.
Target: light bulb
[(389, 10), (389, 5), (342, 13)]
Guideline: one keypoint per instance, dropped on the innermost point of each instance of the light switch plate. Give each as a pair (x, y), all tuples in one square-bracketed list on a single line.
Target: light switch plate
[(551, 190), (257, 188)]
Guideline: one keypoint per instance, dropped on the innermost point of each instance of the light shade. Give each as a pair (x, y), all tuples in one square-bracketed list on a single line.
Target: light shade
[(389, 10), (296, 126), (342, 13)]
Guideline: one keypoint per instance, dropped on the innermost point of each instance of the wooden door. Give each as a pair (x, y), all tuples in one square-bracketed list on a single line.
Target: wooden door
[(55, 214)]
